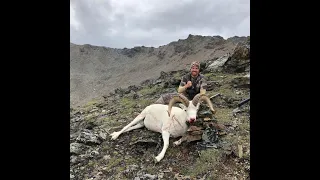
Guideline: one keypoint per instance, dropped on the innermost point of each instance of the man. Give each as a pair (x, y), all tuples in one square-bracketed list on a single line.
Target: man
[(191, 84)]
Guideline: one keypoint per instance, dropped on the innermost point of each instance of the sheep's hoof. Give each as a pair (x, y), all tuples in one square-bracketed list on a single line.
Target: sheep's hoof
[(155, 160), (176, 143), (114, 135)]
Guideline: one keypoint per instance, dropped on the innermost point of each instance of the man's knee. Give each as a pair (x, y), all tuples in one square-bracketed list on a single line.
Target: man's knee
[(159, 101), (167, 97), (164, 99)]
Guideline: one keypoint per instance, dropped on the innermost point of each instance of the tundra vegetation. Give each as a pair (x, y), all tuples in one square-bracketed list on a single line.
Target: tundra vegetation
[(132, 154), (93, 155)]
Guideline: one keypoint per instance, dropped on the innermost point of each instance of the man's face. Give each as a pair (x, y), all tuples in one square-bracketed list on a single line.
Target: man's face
[(194, 70)]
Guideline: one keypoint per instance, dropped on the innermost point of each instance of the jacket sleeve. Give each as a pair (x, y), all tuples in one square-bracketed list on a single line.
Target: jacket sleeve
[(183, 82)]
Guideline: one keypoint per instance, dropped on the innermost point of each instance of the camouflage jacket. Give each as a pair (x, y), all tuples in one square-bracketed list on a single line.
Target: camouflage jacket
[(198, 83)]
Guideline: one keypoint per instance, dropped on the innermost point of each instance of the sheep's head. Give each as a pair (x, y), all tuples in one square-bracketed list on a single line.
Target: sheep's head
[(191, 107)]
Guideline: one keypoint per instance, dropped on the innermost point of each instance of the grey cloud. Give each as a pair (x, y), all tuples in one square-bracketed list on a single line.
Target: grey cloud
[(90, 17), (203, 17), (198, 14)]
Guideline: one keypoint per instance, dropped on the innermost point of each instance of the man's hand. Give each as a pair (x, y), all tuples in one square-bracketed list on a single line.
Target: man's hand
[(202, 91), (189, 84)]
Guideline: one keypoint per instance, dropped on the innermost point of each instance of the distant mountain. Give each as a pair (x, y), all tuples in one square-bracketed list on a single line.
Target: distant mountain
[(96, 71)]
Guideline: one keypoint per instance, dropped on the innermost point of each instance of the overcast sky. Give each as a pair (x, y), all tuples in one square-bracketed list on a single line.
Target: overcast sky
[(129, 23)]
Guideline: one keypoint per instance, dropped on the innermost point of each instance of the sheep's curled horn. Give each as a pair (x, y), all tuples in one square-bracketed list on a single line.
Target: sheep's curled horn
[(178, 98), (203, 97)]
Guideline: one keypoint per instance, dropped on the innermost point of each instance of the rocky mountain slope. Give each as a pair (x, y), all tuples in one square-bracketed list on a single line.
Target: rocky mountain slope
[(222, 154), (97, 71)]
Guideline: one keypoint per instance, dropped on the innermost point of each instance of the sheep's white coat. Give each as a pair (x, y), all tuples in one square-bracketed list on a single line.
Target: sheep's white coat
[(155, 117)]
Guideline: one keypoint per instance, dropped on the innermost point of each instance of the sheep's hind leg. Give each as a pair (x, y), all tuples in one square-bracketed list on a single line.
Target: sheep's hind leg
[(165, 137), (137, 126), (139, 118)]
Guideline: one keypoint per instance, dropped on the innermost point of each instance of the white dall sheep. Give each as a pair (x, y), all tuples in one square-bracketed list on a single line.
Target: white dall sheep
[(167, 119)]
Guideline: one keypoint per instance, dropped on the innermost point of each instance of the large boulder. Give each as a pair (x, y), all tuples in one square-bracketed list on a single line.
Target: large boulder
[(239, 60), (217, 65)]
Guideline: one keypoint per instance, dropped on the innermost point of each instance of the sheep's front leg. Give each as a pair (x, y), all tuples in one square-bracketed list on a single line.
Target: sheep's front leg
[(177, 143), (165, 137)]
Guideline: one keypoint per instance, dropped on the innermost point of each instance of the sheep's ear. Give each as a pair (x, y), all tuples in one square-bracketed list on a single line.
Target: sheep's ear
[(182, 106)]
